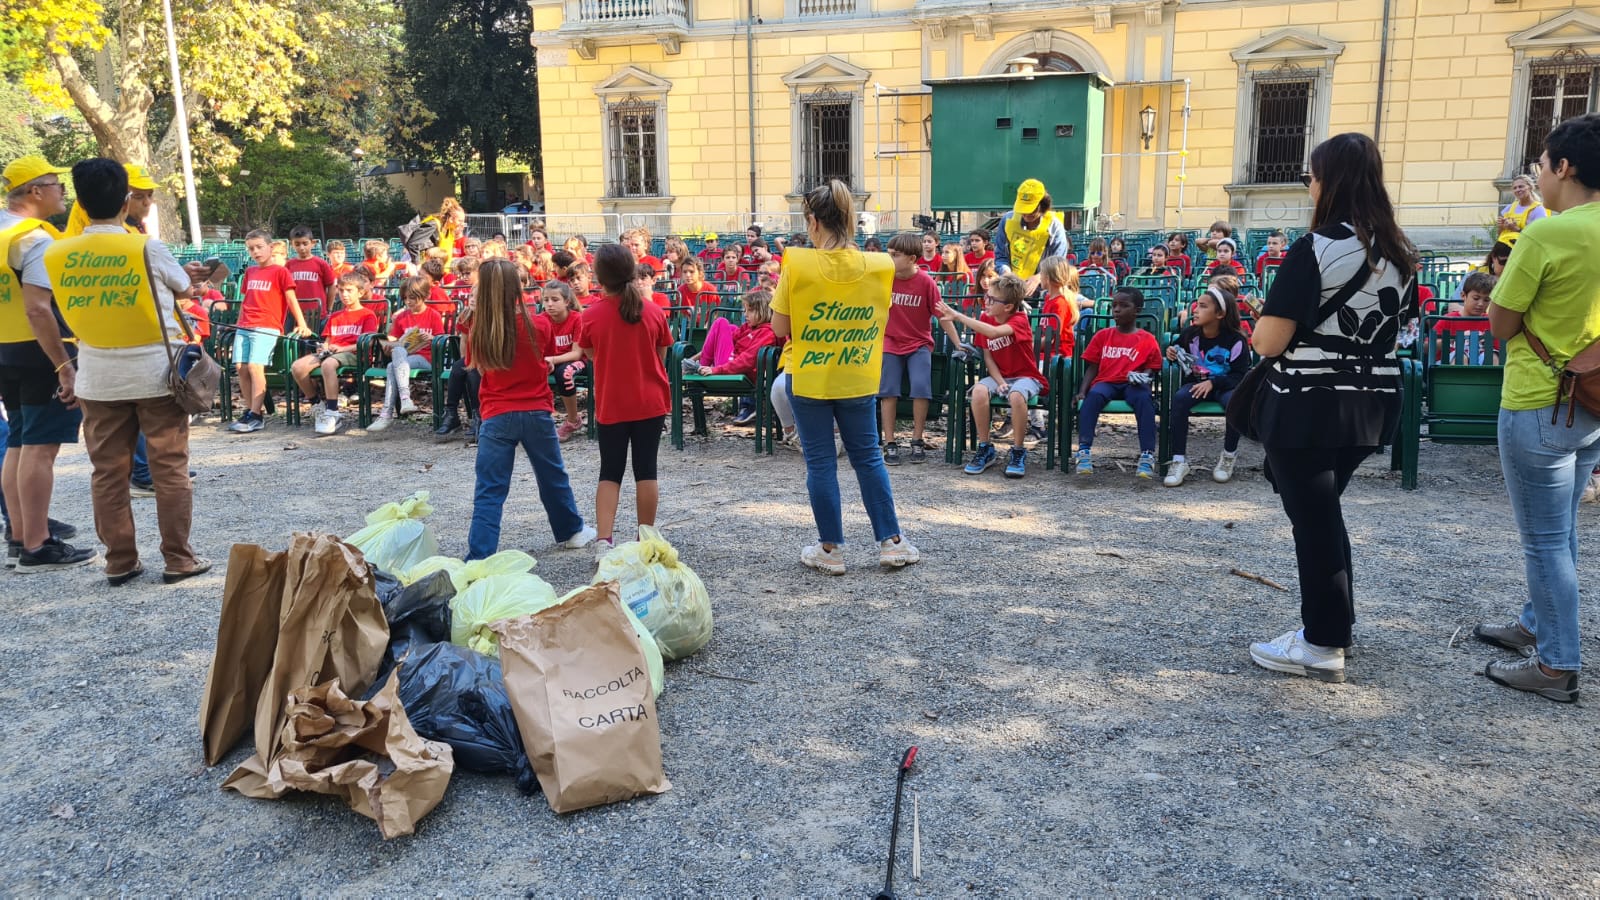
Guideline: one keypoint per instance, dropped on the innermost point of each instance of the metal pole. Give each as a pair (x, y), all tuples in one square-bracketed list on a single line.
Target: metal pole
[(191, 200), (1383, 67), (750, 92)]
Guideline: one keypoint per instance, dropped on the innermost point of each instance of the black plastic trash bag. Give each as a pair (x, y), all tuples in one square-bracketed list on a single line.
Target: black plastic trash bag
[(456, 695), (418, 614)]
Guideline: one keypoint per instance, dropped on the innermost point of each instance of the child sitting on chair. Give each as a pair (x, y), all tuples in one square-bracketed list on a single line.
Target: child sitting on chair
[(1225, 263), (1214, 355), (1120, 363), (694, 291), (340, 335), (1004, 336), (733, 350), (410, 347), (1061, 297), (1472, 349)]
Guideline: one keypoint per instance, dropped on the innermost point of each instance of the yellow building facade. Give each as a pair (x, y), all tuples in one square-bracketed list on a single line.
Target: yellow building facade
[(688, 115)]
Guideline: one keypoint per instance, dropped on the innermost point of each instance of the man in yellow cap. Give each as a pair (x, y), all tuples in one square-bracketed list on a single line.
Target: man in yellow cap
[(1028, 234), (37, 378)]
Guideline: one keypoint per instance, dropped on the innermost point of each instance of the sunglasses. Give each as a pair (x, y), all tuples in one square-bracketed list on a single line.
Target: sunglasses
[(1305, 178)]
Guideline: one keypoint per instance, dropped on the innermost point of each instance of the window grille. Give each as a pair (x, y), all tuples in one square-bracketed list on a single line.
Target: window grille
[(827, 145), (635, 159), (1559, 88), (1280, 133)]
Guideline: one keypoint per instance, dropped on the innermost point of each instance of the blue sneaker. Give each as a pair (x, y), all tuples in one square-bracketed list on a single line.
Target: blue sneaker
[(1147, 465), (1084, 465), (1017, 464), (982, 459)]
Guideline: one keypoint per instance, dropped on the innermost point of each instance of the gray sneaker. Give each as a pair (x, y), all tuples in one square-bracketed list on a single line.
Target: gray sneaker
[(1525, 675), (891, 454), (1510, 635)]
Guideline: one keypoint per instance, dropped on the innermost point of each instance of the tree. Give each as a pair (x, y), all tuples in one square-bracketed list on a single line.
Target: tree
[(471, 66), (245, 68), (302, 167)]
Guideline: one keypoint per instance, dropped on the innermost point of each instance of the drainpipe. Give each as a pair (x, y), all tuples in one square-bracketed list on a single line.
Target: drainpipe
[(750, 92), (1383, 71)]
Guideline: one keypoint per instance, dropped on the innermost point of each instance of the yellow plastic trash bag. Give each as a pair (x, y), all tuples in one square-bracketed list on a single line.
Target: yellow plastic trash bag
[(490, 599), (463, 574), (652, 651), (666, 595), (396, 538)]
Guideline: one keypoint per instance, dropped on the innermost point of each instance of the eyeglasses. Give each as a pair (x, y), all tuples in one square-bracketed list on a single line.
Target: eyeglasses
[(1305, 178)]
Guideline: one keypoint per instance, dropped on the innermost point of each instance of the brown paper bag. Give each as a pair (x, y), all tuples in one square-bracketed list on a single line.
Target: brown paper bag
[(329, 625), (247, 636), (580, 689), (365, 752)]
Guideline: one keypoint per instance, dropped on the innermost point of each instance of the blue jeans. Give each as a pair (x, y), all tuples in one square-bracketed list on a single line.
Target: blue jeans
[(1546, 466), (5, 432), (1136, 396), (858, 428), (498, 440), (141, 463), (1178, 426)]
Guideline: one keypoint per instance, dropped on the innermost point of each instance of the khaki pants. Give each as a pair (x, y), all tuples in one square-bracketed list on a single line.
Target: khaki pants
[(110, 431)]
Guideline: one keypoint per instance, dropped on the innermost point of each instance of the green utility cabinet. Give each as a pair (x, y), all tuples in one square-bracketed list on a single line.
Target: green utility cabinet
[(993, 132)]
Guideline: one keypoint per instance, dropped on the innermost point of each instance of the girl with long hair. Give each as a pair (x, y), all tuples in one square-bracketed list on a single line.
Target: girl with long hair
[(515, 406), (626, 337), (1331, 394)]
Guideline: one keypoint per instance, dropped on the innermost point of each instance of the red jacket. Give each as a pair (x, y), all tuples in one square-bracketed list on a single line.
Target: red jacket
[(747, 344)]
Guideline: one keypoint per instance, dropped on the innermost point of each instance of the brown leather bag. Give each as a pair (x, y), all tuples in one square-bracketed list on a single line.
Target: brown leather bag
[(1577, 382)]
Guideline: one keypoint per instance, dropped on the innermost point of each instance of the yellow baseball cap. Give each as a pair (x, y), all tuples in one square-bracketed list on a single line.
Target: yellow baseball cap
[(711, 236), (138, 178), (21, 171), (1028, 197)]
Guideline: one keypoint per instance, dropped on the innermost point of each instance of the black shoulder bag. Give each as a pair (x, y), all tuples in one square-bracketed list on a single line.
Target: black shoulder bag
[(1244, 407)]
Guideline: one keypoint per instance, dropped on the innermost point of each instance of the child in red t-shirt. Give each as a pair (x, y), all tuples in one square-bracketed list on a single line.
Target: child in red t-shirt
[(410, 348), (694, 292), (1225, 264), (645, 274), (1120, 363), (1159, 263), (1466, 342), (196, 312), (627, 338), (340, 335), (729, 270), (1277, 246), (908, 347), (559, 327), (336, 259), (1062, 300), (515, 402), (979, 250), (313, 277), (1178, 253), (745, 349), (1004, 336), (268, 298)]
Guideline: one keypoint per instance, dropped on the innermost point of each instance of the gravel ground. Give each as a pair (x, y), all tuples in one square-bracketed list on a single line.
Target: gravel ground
[(1069, 656)]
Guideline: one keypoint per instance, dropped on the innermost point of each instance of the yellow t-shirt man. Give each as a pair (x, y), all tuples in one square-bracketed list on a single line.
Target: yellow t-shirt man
[(837, 302), (1553, 279)]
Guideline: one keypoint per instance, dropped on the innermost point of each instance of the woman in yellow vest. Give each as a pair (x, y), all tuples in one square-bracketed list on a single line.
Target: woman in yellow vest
[(452, 224), (832, 302), (1526, 207), (1029, 233)]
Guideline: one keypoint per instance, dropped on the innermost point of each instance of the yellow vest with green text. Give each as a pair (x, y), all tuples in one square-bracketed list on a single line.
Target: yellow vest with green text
[(14, 328), (1027, 244), (838, 306), (78, 221), (102, 288)]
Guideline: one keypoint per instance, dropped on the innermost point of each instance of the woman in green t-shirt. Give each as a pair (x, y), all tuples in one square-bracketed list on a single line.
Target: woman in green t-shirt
[(1551, 291)]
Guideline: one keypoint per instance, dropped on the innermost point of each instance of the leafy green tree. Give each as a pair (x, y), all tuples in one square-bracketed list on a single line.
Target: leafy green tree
[(302, 167), (469, 63)]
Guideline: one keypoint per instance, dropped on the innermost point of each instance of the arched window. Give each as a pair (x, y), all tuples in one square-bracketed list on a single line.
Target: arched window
[(1056, 62)]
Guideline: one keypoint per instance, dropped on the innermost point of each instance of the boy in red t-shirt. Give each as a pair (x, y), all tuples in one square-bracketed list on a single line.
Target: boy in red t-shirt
[(1277, 246), (908, 346), (410, 348), (268, 298), (646, 275), (313, 277), (560, 325), (336, 261), (729, 270), (1004, 336), (340, 334), (1466, 342), (1120, 364)]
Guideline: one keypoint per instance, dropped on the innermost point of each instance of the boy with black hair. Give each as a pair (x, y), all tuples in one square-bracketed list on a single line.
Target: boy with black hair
[(1277, 248), (1120, 363), (313, 276)]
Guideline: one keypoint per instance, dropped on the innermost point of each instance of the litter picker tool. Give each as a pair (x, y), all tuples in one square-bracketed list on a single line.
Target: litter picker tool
[(894, 828)]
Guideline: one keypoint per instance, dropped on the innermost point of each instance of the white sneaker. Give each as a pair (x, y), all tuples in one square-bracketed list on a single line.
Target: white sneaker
[(582, 539), (1177, 471), (829, 562), (838, 445), (1291, 653), (897, 554), (601, 547), (381, 423), (1223, 473), (1591, 492), (328, 421), (790, 441), (407, 406)]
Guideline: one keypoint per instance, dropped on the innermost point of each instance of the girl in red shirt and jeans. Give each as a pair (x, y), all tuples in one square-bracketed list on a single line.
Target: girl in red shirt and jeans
[(515, 403), (627, 338)]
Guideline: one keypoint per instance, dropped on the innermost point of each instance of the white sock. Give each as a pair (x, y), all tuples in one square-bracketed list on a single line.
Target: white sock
[(1179, 457)]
